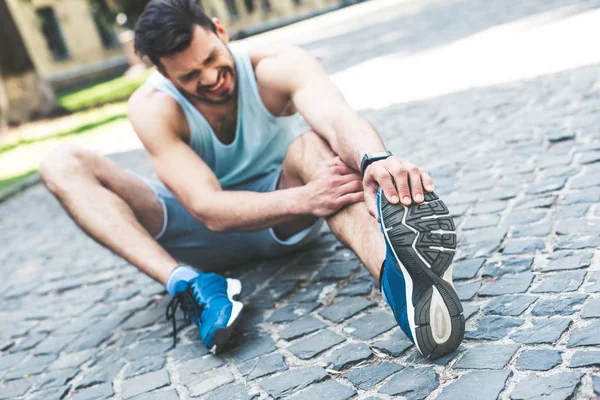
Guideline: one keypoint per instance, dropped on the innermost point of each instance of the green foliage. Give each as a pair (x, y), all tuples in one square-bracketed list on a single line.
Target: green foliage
[(112, 91)]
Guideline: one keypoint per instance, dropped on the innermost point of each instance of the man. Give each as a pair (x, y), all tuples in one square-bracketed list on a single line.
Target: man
[(217, 119)]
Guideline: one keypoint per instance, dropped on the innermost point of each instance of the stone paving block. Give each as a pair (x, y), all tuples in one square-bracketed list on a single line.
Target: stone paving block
[(469, 310), (546, 330), (591, 309), (523, 246), (188, 351), (265, 365), (554, 387), (538, 360), (395, 345), (308, 294), (571, 211), (69, 360), (467, 269), (467, 290), (493, 328), (542, 229), (488, 207), (336, 271), (145, 383), (507, 265), (560, 282), (585, 359), (508, 284), (144, 365), (487, 356), (8, 361), (191, 369), (301, 327), (98, 392), (57, 378), (585, 336), (510, 304), (209, 381), (370, 325), (358, 288), (235, 391), (316, 344), (292, 312), (148, 348), (53, 344), (593, 282), (577, 242), (55, 393), (565, 260), (253, 347), (345, 308), (536, 202), (589, 157), (15, 388), (292, 381), (481, 221), (33, 366), (28, 342), (412, 383), (169, 394), (330, 390), (489, 384), (565, 305), (368, 376), (348, 356), (524, 217), (596, 384)]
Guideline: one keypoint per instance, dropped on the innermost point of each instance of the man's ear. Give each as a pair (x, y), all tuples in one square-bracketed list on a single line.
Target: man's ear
[(221, 32)]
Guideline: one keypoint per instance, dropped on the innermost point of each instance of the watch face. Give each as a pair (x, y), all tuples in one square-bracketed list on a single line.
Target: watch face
[(379, 154)]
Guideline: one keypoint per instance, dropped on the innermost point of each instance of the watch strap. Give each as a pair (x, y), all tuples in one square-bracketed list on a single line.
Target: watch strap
[(370, 158)]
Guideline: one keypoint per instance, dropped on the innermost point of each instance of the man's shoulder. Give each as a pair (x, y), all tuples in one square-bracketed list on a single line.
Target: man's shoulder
[(148, 106)]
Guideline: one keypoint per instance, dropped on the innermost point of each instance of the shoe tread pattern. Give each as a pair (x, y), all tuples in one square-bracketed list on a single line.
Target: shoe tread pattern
[(422, 276)]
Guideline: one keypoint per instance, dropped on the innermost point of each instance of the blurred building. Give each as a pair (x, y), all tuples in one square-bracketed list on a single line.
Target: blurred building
[(48, 45)]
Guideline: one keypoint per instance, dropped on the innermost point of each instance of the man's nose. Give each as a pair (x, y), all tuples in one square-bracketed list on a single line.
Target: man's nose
[(209, 78)]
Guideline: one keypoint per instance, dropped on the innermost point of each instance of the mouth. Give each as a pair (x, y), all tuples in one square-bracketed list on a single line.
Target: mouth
[(221, 86)]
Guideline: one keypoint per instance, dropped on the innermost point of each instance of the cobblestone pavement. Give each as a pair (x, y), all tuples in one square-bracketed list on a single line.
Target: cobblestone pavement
[(519, 166)]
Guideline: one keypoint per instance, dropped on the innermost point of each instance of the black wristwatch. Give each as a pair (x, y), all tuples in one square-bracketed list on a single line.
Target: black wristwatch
[(370, 158)]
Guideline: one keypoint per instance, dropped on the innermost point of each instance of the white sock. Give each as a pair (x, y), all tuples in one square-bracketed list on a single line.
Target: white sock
[(183, 273)]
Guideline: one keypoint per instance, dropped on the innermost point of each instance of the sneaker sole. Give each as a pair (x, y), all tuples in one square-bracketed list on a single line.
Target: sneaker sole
[(423, 240), (221, 336)]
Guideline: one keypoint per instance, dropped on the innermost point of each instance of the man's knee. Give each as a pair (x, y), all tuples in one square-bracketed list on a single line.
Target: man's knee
[(62, 164)]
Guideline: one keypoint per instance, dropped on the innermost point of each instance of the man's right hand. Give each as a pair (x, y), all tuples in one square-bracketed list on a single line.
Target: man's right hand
[(335, 185)]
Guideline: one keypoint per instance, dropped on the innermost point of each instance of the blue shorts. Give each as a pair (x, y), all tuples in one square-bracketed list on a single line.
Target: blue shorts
[(190, 242)]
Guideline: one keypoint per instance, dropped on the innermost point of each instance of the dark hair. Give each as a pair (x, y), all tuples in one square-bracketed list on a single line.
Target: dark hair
[(166, 27)]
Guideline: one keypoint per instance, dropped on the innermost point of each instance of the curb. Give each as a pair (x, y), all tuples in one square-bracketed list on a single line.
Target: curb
[(12, 190)]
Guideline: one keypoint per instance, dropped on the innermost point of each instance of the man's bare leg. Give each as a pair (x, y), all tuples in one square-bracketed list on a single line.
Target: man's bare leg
[(352, 225), (111, 205)]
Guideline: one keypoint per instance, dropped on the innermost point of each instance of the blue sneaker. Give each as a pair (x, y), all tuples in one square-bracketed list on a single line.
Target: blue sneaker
[(209, 301), (416, 277)]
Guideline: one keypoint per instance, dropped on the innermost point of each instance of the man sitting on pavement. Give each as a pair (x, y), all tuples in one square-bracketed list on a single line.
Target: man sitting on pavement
[(217, 119)]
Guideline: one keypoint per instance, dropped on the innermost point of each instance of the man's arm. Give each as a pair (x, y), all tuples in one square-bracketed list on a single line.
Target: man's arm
[(323, 106), (157, 120)]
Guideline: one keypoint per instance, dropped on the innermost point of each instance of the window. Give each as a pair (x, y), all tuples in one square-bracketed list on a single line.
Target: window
[(52, 33), (107, 33)]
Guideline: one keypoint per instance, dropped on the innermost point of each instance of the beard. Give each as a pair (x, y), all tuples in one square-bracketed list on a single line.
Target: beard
[(224, 97)]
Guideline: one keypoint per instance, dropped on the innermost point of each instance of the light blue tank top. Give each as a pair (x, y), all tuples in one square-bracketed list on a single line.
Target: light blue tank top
[(261, 139)]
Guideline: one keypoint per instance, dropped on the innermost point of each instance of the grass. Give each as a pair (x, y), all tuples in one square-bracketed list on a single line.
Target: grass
[(20, 162), (88, 121), (112, 91), (6, 182)]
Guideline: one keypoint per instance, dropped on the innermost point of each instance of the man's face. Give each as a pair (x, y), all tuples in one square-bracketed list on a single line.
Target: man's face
[(205, 70)]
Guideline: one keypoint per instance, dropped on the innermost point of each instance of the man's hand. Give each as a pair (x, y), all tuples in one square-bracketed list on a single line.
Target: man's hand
[(335, 185), (408, 178)]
